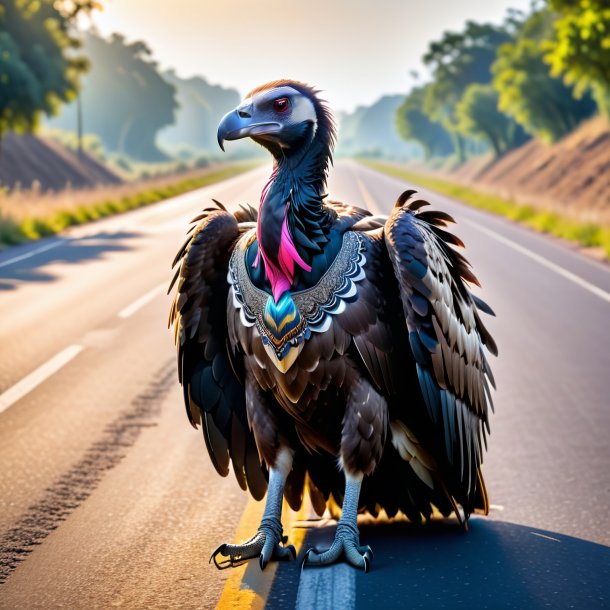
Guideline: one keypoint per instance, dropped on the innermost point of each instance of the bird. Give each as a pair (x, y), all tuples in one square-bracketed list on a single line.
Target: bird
[(329, 352)]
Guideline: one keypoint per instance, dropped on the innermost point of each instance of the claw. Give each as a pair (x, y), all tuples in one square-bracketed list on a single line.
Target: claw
[(367, 563), (220, 549), (266, 553), (305, 557), (231, 562), (366, 549), (262, 544), (345, 545)]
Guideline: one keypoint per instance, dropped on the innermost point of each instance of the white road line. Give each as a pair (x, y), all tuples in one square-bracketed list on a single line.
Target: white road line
[(546, 537), (330, 587), (599, 292), (142, 301), (35, 378), (40, 250)]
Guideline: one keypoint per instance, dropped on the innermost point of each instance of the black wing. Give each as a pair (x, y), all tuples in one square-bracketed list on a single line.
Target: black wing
[(213, 393), (446, 334)]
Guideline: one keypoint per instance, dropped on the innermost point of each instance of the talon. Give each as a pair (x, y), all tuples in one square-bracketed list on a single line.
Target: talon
[(267, 552), (264, 544), (305, 557), (344, 547), (368, 558), (366, 549), (227, 563), (221, 549), (367, 564)]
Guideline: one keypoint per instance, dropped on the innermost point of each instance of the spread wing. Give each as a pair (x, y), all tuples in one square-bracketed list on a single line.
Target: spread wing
[(213, 393), (446, 335)]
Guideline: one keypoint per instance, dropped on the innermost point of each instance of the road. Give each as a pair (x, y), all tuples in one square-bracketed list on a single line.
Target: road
[(107, 496)]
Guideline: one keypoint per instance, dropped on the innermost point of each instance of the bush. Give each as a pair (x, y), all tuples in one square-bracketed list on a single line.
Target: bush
[(63, 219), (35, 228), (10, 232)]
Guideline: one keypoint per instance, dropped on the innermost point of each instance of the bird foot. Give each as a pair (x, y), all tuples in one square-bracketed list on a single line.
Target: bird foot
[(268, 543), (346, 545)]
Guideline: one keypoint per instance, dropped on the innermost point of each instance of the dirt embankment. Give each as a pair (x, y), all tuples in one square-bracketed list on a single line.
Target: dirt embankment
[(571, 176), (28, 161)]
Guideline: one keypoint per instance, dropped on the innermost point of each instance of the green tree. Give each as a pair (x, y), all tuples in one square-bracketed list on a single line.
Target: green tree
[(38, 68), (457, 60), (580, 49), (413, 124), (124, 97), (478, 116), (541, 103)]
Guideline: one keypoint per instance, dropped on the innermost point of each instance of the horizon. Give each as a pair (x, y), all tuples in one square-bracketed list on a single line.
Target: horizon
[(258, 59)]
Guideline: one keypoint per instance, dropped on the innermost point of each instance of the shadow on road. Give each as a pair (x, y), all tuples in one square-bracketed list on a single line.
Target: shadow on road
[(494, 565), (72, 251)]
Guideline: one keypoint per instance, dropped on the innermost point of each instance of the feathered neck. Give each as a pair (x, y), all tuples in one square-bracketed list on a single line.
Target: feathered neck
[(293, 222)]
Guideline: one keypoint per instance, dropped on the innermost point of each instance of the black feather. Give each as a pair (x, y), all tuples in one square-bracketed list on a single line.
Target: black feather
[(395, 350), (416, 205), (257, 484), (482, 305), (403, 198)]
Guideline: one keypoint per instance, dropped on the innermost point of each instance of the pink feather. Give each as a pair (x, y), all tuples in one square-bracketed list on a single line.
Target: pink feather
[(280, 278)]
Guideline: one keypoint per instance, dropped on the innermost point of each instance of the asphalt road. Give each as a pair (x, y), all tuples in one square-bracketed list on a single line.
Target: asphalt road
[(107, 496)]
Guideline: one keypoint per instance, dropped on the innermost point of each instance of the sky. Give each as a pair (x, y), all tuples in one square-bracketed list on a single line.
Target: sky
[(354, 50)]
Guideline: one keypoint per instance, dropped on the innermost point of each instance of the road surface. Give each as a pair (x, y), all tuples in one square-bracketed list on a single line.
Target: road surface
[(107, 496)]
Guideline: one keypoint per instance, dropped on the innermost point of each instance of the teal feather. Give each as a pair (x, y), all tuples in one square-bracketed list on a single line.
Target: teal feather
[(284, 322)]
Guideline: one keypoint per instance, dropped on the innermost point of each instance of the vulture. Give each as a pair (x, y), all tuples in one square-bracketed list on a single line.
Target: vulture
[(327, 351)]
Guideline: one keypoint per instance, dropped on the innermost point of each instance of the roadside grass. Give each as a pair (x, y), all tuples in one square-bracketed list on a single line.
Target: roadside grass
[(586, 234), (21, 221)]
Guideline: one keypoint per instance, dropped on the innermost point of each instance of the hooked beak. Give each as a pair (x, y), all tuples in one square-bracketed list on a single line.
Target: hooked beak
[(238, 124)]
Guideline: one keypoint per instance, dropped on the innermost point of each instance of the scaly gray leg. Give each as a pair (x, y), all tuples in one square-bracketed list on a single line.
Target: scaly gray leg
[(347, 538), (268, 540)]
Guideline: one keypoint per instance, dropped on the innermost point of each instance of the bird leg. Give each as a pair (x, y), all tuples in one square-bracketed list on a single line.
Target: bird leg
[(362, 440), (347, 537), (268, 541)]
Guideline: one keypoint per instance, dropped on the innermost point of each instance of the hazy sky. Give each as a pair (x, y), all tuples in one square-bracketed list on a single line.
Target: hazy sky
[(355, 50)]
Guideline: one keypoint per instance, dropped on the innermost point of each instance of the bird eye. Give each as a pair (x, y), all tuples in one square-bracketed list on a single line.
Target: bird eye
[(281, 104)]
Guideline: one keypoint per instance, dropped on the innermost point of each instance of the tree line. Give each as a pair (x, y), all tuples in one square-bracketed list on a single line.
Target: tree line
[(39, 60), (111, 87), (536, 75)]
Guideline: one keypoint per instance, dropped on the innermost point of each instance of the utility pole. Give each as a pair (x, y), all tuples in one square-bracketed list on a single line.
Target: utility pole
[(79, 124)]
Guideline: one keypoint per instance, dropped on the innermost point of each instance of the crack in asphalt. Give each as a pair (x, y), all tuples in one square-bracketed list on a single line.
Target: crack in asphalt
[(72, 488)]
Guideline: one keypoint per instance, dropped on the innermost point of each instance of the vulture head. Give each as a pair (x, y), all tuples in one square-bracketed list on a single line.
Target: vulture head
[(290, 120), (284, 116)]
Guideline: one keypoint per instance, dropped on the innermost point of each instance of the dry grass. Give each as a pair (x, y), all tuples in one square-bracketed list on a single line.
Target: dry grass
[(26, 215), (570, 177), (587, 234), (18, 205)]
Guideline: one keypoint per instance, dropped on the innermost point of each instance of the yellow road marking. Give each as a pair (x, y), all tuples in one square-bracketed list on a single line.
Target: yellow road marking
[(247, 587), (369, 200)]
